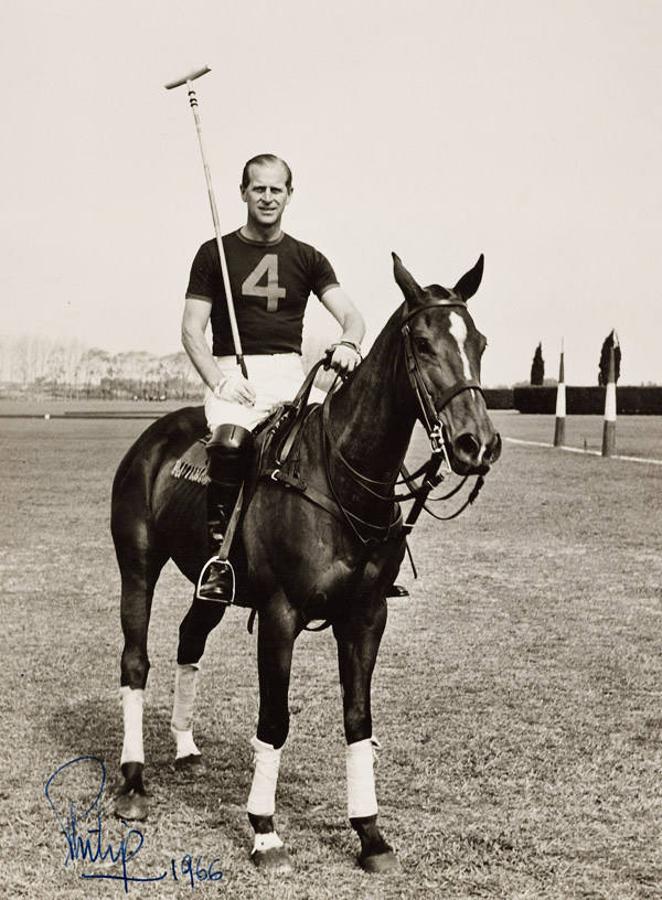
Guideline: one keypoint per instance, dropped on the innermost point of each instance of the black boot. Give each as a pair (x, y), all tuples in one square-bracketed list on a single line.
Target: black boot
[(229, 458)]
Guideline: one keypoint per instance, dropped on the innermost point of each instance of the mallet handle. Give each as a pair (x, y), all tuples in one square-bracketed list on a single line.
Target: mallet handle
[(193, 100)]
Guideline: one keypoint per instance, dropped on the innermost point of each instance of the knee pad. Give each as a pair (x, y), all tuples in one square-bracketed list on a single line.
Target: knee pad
[(229, 453)]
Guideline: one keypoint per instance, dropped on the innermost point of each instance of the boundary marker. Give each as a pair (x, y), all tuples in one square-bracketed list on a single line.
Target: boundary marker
[(641, 459)]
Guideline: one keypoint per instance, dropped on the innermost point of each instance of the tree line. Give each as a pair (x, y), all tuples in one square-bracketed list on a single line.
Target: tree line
[(69, 369)]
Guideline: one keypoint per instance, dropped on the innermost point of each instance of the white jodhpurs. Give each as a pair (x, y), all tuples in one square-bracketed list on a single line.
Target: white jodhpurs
[(275, 378)]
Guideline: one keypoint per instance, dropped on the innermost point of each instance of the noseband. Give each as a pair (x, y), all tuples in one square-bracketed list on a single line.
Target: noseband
[(429, 411)]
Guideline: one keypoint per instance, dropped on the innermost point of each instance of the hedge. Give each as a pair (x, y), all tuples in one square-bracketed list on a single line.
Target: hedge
[(498, 398), (630, 400)]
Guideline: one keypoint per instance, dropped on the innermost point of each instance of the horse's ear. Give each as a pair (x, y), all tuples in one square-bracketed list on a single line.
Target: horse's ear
[(470, 281), (412, 291)]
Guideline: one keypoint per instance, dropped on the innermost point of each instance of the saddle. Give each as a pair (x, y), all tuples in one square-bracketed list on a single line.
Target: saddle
[(275, 437), (278, 434)]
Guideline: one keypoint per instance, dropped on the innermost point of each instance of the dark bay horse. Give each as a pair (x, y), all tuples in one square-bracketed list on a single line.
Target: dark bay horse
[(328, 546)]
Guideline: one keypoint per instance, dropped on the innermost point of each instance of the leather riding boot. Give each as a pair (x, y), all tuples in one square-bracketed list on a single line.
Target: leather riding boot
[(217, 581), (229, 458)]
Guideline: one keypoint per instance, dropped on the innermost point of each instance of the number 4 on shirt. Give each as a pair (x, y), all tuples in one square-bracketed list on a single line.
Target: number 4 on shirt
[(268, 266)]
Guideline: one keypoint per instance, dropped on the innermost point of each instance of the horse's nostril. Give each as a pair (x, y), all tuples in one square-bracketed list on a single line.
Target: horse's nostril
[(468, 445), (494, 450)]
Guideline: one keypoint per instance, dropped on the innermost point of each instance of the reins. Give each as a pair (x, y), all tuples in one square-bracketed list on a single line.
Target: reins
[(370, 532), (429, 414)]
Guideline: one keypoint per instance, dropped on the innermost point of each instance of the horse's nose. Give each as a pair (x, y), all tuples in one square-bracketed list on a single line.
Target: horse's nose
[(469, 450)]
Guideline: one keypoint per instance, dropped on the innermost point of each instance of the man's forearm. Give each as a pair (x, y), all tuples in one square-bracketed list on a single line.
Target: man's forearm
[(346, 315), (200, 355), (353, 328)]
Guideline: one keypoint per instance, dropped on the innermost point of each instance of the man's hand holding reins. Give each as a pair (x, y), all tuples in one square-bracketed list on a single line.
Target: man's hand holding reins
[(345, 357), (234, 388)]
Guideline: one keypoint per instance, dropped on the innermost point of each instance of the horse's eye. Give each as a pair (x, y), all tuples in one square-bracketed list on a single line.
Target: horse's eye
[(422, 344)]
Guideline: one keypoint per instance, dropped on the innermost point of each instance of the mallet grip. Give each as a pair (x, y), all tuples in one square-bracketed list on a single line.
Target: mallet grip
[(190, 77)]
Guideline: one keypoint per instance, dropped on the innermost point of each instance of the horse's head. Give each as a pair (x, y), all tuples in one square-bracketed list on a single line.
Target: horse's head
[(443, 349)]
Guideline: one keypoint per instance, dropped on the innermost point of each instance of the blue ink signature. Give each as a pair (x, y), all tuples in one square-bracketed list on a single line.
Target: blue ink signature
[(90, 844)]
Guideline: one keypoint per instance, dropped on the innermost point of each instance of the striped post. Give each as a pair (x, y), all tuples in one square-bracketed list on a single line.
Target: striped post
[(559, 424), (609, 427)]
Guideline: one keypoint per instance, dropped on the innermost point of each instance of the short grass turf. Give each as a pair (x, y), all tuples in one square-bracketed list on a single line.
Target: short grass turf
[(639, 436), (517, 693)]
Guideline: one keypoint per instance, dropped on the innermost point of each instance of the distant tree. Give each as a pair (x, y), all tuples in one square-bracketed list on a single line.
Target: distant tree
[(603, 373), (538, 367)]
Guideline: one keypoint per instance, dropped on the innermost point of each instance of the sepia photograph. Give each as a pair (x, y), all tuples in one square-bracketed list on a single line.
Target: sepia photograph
[(331, 450)]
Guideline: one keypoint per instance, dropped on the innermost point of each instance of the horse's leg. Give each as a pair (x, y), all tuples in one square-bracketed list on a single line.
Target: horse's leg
[(140, 570), (278, 628), (202, 617), (358, 643)]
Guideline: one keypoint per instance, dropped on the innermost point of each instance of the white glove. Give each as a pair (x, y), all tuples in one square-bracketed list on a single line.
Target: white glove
[(234, 388)]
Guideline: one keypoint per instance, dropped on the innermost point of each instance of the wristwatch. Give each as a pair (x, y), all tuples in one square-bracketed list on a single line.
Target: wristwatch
[(352, 345)]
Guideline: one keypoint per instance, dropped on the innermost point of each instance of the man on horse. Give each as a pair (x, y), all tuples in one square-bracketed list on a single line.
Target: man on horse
[(271, 278)]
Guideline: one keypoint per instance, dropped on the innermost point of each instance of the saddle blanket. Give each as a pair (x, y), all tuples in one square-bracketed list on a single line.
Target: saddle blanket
[(193, 465)]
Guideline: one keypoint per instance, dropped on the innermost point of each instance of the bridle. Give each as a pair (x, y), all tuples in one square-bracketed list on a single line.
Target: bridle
[(429, 415)]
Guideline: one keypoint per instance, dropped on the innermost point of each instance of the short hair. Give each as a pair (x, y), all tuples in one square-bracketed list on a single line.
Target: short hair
[(265, 159)]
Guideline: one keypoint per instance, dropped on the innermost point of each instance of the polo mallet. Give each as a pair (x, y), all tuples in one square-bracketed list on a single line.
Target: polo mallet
[(193, 101)]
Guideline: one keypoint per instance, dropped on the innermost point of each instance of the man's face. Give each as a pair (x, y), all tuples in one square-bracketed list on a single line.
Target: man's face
[(266, 195)]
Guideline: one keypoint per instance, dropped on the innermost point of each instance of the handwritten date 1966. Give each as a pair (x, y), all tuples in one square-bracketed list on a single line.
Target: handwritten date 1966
[(186, 871)]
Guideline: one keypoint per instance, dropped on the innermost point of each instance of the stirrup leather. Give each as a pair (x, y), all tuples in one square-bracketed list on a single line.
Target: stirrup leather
[(229, 571)]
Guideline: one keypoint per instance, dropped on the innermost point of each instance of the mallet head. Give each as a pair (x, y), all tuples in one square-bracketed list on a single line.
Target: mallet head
[(190, 77)]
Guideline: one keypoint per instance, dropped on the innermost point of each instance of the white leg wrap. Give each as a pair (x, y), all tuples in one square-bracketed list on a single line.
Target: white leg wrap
[(132, 709), (265, 842), (361, 797), (186, 683), (262, 798), (186, 746)]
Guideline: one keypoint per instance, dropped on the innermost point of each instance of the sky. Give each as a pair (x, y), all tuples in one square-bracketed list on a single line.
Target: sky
[(441, 129)]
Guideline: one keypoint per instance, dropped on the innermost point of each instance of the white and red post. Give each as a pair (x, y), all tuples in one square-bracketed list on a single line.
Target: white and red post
[(559, 424), (609, 427)]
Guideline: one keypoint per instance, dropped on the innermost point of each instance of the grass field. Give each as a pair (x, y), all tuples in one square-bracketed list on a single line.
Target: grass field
[(517, 693), (635, 435)]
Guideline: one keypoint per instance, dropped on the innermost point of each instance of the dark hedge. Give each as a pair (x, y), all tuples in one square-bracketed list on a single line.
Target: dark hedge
[(498, 398), (589, 400)]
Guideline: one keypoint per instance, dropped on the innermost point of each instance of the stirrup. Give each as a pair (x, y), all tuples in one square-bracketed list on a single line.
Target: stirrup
[(229, 572)]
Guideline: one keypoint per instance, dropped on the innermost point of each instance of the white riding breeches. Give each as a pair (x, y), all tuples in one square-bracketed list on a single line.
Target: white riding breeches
[(275, 378)]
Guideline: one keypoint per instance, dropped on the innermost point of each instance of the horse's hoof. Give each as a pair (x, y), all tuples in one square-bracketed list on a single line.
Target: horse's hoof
[(276, 860), (131, 805), (192, 764), (380, 863)]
